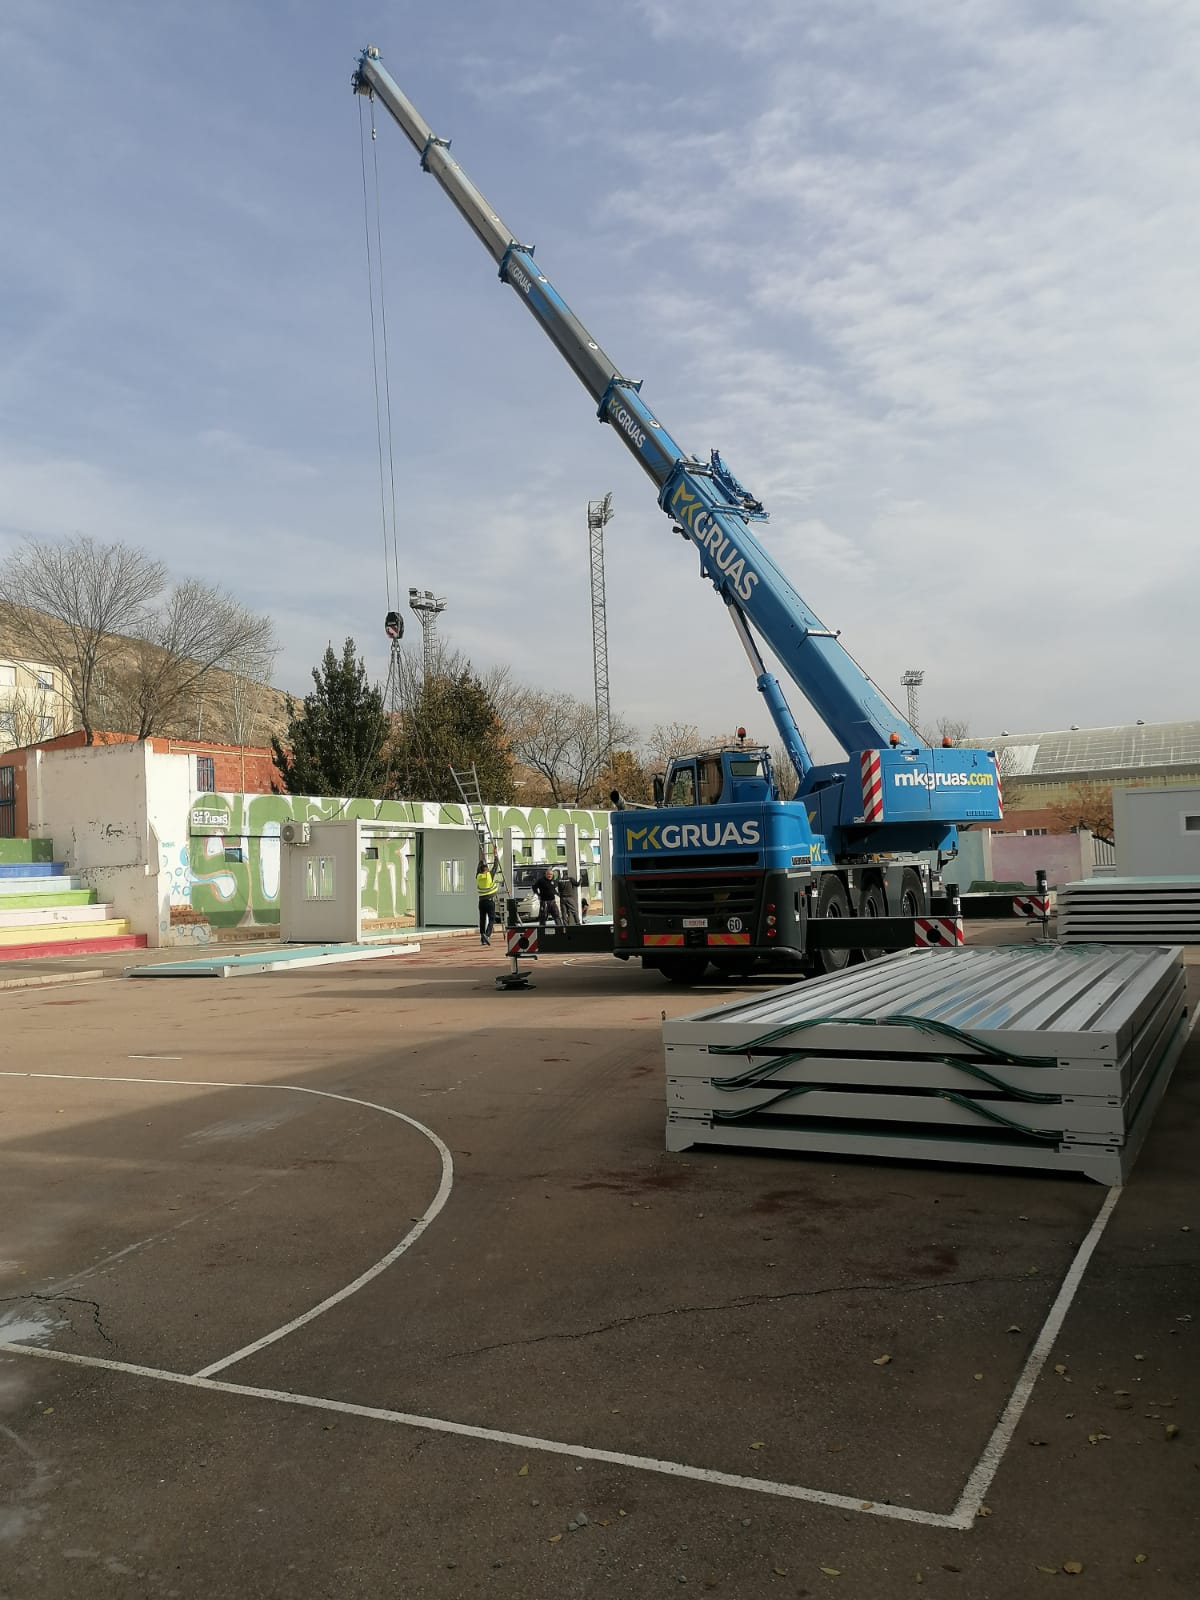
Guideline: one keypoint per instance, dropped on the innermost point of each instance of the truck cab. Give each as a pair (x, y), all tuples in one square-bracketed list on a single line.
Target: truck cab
[(733, 774)]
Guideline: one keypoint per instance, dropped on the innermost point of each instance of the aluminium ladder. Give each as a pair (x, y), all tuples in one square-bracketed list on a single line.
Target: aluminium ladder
[(466, 780)]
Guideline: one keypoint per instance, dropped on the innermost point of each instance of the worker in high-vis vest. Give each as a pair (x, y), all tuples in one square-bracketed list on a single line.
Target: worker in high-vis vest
[(487, 886)]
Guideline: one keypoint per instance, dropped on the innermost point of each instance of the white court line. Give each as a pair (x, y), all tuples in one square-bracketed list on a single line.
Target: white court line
[(988, 1465), (409, 1239), (617, 1458), (962, 1517)]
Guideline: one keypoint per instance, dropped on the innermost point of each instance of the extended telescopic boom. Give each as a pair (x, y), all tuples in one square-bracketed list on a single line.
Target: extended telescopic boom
[(704, 500)]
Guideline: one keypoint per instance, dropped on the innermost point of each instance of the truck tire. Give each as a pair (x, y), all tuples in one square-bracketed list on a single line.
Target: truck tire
[(871, 903), (832, 901), (683, 969), (913, 901)]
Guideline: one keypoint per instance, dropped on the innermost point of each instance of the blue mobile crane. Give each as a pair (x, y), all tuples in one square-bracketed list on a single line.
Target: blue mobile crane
[(722, 869)]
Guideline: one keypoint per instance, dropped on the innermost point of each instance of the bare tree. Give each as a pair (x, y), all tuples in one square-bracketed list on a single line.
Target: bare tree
[(671, 739), (67, 605), (97, 614), (786, 780), (247, 678), (556, 735), (197, 630), (26, 717)]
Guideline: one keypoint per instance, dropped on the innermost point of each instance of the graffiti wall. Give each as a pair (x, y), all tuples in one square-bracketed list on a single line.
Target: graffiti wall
[(227, 875)]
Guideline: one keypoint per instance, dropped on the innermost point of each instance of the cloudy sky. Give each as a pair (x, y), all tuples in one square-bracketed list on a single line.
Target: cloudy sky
[(923, 270)]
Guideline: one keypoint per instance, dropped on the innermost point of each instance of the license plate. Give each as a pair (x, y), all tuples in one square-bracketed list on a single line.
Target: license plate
[(695, 922)]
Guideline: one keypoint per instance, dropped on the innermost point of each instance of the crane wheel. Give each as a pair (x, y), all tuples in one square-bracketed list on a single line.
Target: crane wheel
[(832, 901), (913, 900), (871, 903)]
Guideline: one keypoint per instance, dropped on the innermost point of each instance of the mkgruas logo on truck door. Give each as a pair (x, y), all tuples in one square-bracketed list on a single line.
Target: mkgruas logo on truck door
[(692, 835)]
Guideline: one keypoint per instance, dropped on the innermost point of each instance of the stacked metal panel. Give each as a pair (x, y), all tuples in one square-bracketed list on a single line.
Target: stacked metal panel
[(1047, 1056), (1130, 911)]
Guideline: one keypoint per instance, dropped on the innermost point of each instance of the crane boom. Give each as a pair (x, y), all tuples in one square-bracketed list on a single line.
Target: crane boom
[(703, 499)]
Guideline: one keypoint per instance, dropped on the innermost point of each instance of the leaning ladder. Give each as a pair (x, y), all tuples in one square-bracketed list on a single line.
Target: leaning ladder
[(466, 780)]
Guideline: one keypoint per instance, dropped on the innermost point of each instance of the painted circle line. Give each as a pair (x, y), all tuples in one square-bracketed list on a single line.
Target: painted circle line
[(409, 1239)]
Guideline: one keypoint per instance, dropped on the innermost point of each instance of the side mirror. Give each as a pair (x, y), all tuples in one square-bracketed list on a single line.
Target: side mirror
[(660, 788)]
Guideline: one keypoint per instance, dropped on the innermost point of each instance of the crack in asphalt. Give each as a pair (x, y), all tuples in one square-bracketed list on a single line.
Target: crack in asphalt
[(744, 1302), (63, 1299), (739, 1303)]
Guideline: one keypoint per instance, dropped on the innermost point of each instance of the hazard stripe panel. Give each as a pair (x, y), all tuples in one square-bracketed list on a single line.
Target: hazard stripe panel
[(872, 784), (663, 938), (729, 938), (938, 930)]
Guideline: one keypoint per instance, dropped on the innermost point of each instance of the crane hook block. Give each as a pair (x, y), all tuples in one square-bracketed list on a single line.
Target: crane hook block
[(393, 625)]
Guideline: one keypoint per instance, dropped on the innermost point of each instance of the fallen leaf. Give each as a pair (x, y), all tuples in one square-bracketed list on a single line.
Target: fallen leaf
[(523, 1472), (1073, 1567), (759, 1444), (881, 1361), (1095, 1438), (622, 1513), (918, 1577), (556, 1538), (1060, 1369), (1053, 1571), (1013, 1328), (1139, 1358), (979, 1377), (1172, 1430), (780, 1572), (984, 1511), (832, 1572), (1140, 1560)]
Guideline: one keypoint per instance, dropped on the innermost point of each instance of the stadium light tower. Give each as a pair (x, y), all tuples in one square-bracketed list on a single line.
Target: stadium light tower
[(911, 680), (428, 607), (599, 513)]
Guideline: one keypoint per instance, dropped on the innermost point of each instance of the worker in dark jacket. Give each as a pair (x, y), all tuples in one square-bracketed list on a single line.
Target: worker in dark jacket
[(547, 900), (568, 898)]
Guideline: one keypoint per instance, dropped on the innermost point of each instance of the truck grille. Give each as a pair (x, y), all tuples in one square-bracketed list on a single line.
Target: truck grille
[(716, 897)]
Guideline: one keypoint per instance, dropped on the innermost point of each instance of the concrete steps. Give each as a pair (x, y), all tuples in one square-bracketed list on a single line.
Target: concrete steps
[(47, 911), (64, 933), (48, 884), (74, 947), (52, 916)]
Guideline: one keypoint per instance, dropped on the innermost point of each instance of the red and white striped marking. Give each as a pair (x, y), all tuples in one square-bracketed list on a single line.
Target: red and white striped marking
[(521, 941), (1031, 905), (872, 782), (999, 787), (938, 930)]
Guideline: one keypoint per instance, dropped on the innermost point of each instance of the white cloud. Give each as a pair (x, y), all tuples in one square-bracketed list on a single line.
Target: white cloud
[(923, 272)]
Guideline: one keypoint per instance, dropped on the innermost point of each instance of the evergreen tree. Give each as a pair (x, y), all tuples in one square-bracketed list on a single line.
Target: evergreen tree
[(337, 744), (451, 721)]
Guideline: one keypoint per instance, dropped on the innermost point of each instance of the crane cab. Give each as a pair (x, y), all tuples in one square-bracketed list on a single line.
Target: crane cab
[(736, 774)]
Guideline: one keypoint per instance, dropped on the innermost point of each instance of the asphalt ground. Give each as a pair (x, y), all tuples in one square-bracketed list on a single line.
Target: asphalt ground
[(580, 1329)]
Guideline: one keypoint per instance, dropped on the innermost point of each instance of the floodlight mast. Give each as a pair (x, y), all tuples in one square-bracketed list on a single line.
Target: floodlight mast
[(428, 607), (599, 515)]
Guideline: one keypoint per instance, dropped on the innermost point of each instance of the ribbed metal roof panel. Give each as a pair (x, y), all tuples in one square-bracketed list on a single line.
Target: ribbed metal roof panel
[(1051, 1000), (1161, 746)]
